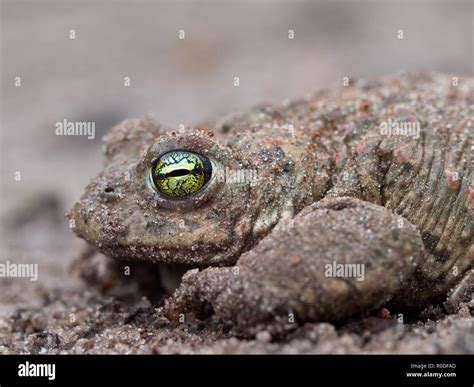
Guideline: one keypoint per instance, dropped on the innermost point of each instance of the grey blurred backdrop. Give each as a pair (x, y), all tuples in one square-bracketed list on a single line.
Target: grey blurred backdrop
[(178, 81)]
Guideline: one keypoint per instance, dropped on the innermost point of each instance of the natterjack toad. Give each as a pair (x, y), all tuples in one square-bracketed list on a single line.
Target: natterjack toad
[(325, 207)]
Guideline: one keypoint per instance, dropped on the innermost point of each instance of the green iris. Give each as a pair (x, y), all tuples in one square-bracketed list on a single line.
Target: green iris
[(181, 173)]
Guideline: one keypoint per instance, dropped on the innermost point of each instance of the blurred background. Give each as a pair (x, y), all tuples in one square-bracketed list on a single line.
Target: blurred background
[(177, 81)]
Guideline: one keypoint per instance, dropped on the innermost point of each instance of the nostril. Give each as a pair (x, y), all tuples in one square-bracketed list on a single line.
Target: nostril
[(110, 194)]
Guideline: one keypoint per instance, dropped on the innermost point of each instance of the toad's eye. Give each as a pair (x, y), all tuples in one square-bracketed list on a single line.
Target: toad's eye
[(180, 173)]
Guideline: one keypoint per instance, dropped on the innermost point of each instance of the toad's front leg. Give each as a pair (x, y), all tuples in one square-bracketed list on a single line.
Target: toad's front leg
[(338, 257)]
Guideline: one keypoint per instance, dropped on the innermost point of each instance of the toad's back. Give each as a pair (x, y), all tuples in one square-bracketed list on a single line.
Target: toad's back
[(405, 143)]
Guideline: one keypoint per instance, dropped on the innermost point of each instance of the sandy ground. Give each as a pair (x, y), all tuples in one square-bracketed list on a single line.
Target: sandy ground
[(77, 320), (182, 81)]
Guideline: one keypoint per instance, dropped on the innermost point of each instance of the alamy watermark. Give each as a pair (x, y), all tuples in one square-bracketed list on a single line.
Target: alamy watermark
[(75, 128), (19, 270), (345, 270), (28, 369), (400, 128), (237, 176)]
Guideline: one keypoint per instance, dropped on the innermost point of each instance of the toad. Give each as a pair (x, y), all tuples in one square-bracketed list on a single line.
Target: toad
[(322, 208)]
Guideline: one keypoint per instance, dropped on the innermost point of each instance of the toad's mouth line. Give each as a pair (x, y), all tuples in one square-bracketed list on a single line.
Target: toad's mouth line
[(199, 256)]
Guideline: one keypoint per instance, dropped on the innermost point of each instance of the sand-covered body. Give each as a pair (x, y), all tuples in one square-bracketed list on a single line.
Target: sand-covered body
[(331, 180)]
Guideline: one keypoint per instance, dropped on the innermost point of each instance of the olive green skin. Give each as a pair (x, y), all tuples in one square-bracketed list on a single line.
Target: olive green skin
[(312, 154)]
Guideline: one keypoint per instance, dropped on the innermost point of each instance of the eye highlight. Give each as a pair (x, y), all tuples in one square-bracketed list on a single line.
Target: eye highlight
[(180, 173)]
